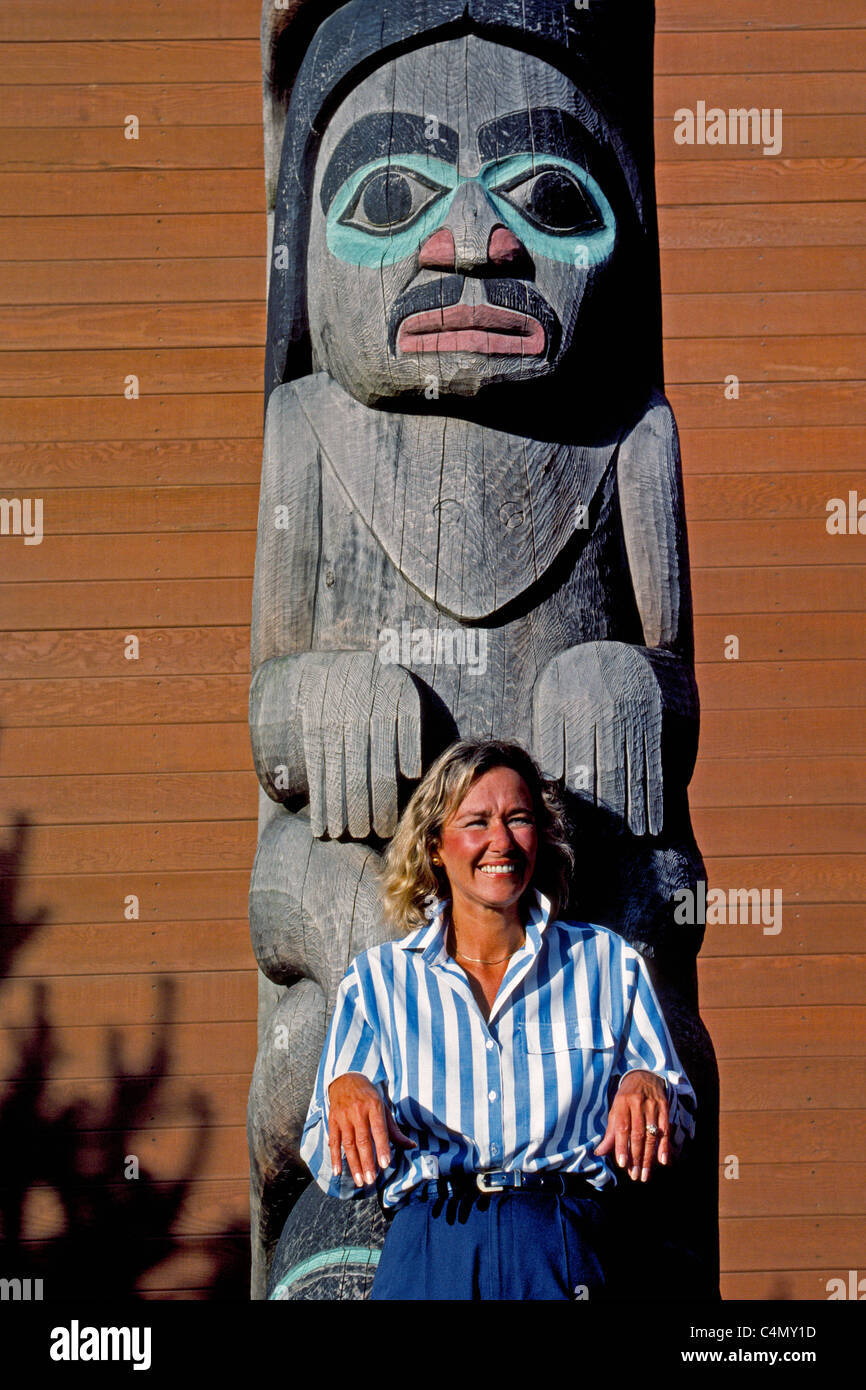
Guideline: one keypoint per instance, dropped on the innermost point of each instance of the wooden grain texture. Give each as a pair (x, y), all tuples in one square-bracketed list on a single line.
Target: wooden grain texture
[(134, 749), (223, 19), (131, 237), (35, 149), (232, 60), (188, 416), (126, 192), (239, 324), (194, 1051), (176, 105), (128, 948), (164, 371), (209, 1208), (188, 846), (237, 277)]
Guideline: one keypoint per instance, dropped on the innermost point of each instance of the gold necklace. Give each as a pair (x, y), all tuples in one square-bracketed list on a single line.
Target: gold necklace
[(476, 960)]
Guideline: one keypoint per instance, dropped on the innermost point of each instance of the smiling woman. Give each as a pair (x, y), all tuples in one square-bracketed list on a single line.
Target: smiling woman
[(490, 1060)]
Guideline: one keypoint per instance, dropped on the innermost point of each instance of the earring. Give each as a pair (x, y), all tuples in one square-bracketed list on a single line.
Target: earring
[(435, 859)]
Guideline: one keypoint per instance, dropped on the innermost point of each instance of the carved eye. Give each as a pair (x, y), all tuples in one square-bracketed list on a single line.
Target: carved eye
[(554, 200), (390, 200)]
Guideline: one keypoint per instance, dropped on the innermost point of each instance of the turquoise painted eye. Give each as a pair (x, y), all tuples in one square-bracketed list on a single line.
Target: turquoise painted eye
[(389, 200), (555, 207), (554, 200)]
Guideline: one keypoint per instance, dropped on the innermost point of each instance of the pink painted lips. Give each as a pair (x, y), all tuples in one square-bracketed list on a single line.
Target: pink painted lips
[(472, 328)]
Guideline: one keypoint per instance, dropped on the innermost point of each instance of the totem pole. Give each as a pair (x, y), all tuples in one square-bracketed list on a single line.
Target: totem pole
[(471, 519)]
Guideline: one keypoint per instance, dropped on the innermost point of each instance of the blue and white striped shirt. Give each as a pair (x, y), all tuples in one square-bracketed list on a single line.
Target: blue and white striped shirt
[(527, 1089)]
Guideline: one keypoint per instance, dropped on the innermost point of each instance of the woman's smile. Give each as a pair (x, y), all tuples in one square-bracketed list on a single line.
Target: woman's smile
[(488, 845)]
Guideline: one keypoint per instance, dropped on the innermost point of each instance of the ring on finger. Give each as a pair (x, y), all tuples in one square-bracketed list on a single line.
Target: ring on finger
[(652, 1129)]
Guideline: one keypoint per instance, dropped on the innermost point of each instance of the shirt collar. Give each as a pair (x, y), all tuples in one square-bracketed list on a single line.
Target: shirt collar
[(430, 939)]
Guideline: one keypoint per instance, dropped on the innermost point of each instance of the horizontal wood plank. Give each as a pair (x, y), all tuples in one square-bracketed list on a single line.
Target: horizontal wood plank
[(171, 895), (218, 746), (816, 979), (190, 845), (238, 60), (182, 1050), (809, 928), (797, 1242), (124, 192), (91, 149), (230, 278), (136, 235), (52, 22), (134, 948), (234, 324), (178, 104), (170, 371), (787, 1032), (200, 417)]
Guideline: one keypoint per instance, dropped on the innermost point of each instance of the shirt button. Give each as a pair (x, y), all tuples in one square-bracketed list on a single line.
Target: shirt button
[(491, 1095), (494, 1149), (489, 1045)]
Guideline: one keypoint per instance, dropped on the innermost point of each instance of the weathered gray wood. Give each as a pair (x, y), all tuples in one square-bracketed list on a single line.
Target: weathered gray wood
[(471, 519)]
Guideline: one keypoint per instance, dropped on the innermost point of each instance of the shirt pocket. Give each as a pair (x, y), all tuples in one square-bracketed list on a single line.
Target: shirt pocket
[(583, 1033)]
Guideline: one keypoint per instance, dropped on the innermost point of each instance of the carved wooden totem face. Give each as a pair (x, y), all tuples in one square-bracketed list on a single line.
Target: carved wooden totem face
[(460, 226)]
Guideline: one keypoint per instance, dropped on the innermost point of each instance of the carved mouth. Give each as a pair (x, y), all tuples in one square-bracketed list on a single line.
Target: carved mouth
[(484, 328)]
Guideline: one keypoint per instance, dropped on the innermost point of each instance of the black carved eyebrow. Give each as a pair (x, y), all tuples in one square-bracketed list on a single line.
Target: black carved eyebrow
[(547, 130), (384, 133)]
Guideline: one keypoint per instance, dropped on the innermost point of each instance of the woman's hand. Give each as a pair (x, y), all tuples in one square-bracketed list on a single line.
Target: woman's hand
[(361, 1125), (641, 1101)]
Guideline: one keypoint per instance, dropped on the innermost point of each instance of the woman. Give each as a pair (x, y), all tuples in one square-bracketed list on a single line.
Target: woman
[(480, 1071)]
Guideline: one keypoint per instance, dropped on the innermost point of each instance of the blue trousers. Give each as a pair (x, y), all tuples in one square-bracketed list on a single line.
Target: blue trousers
[(508, 1245)]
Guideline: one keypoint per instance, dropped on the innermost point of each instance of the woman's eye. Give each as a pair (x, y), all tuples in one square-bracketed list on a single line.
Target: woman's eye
[(390, 200), (556, 201)]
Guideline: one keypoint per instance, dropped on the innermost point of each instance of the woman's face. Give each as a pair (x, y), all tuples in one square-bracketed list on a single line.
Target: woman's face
[(488, 845)]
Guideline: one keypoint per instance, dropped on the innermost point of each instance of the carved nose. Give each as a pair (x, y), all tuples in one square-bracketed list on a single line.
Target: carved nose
[(471, 236)]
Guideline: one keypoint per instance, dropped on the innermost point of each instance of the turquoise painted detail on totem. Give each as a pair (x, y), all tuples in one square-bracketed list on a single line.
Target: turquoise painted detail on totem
[(355, 246), (326, 1259)]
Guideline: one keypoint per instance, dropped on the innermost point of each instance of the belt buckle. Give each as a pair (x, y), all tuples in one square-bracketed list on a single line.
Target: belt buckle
[(497, 1180)]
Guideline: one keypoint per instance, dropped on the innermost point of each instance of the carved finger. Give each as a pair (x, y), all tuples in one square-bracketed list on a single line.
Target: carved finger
[(334, 715), (383, 781), (655, 779), (579, 755), (356, 754), (612, 754), (311, 719), (636, 778), (409, 731), (549, 740)]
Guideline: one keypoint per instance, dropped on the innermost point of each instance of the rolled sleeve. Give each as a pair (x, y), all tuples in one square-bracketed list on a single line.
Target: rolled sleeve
[(646, 1045), (351, 1045)]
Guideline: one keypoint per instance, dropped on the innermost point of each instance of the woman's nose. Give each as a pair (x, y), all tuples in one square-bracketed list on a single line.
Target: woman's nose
[(471, 237), (501, 837)]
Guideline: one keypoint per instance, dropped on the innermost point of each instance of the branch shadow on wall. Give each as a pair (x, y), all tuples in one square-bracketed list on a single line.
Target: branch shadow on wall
[(78, 1207)]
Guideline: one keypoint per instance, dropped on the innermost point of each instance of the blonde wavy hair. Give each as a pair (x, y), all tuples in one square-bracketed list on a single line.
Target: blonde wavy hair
[(410, 879)]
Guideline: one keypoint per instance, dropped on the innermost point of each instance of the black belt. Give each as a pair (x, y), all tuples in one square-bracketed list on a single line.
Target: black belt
[(498, 1180)]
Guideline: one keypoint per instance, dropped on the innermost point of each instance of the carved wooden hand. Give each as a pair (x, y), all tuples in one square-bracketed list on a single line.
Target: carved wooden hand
[(597, 723), (338, 728)]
